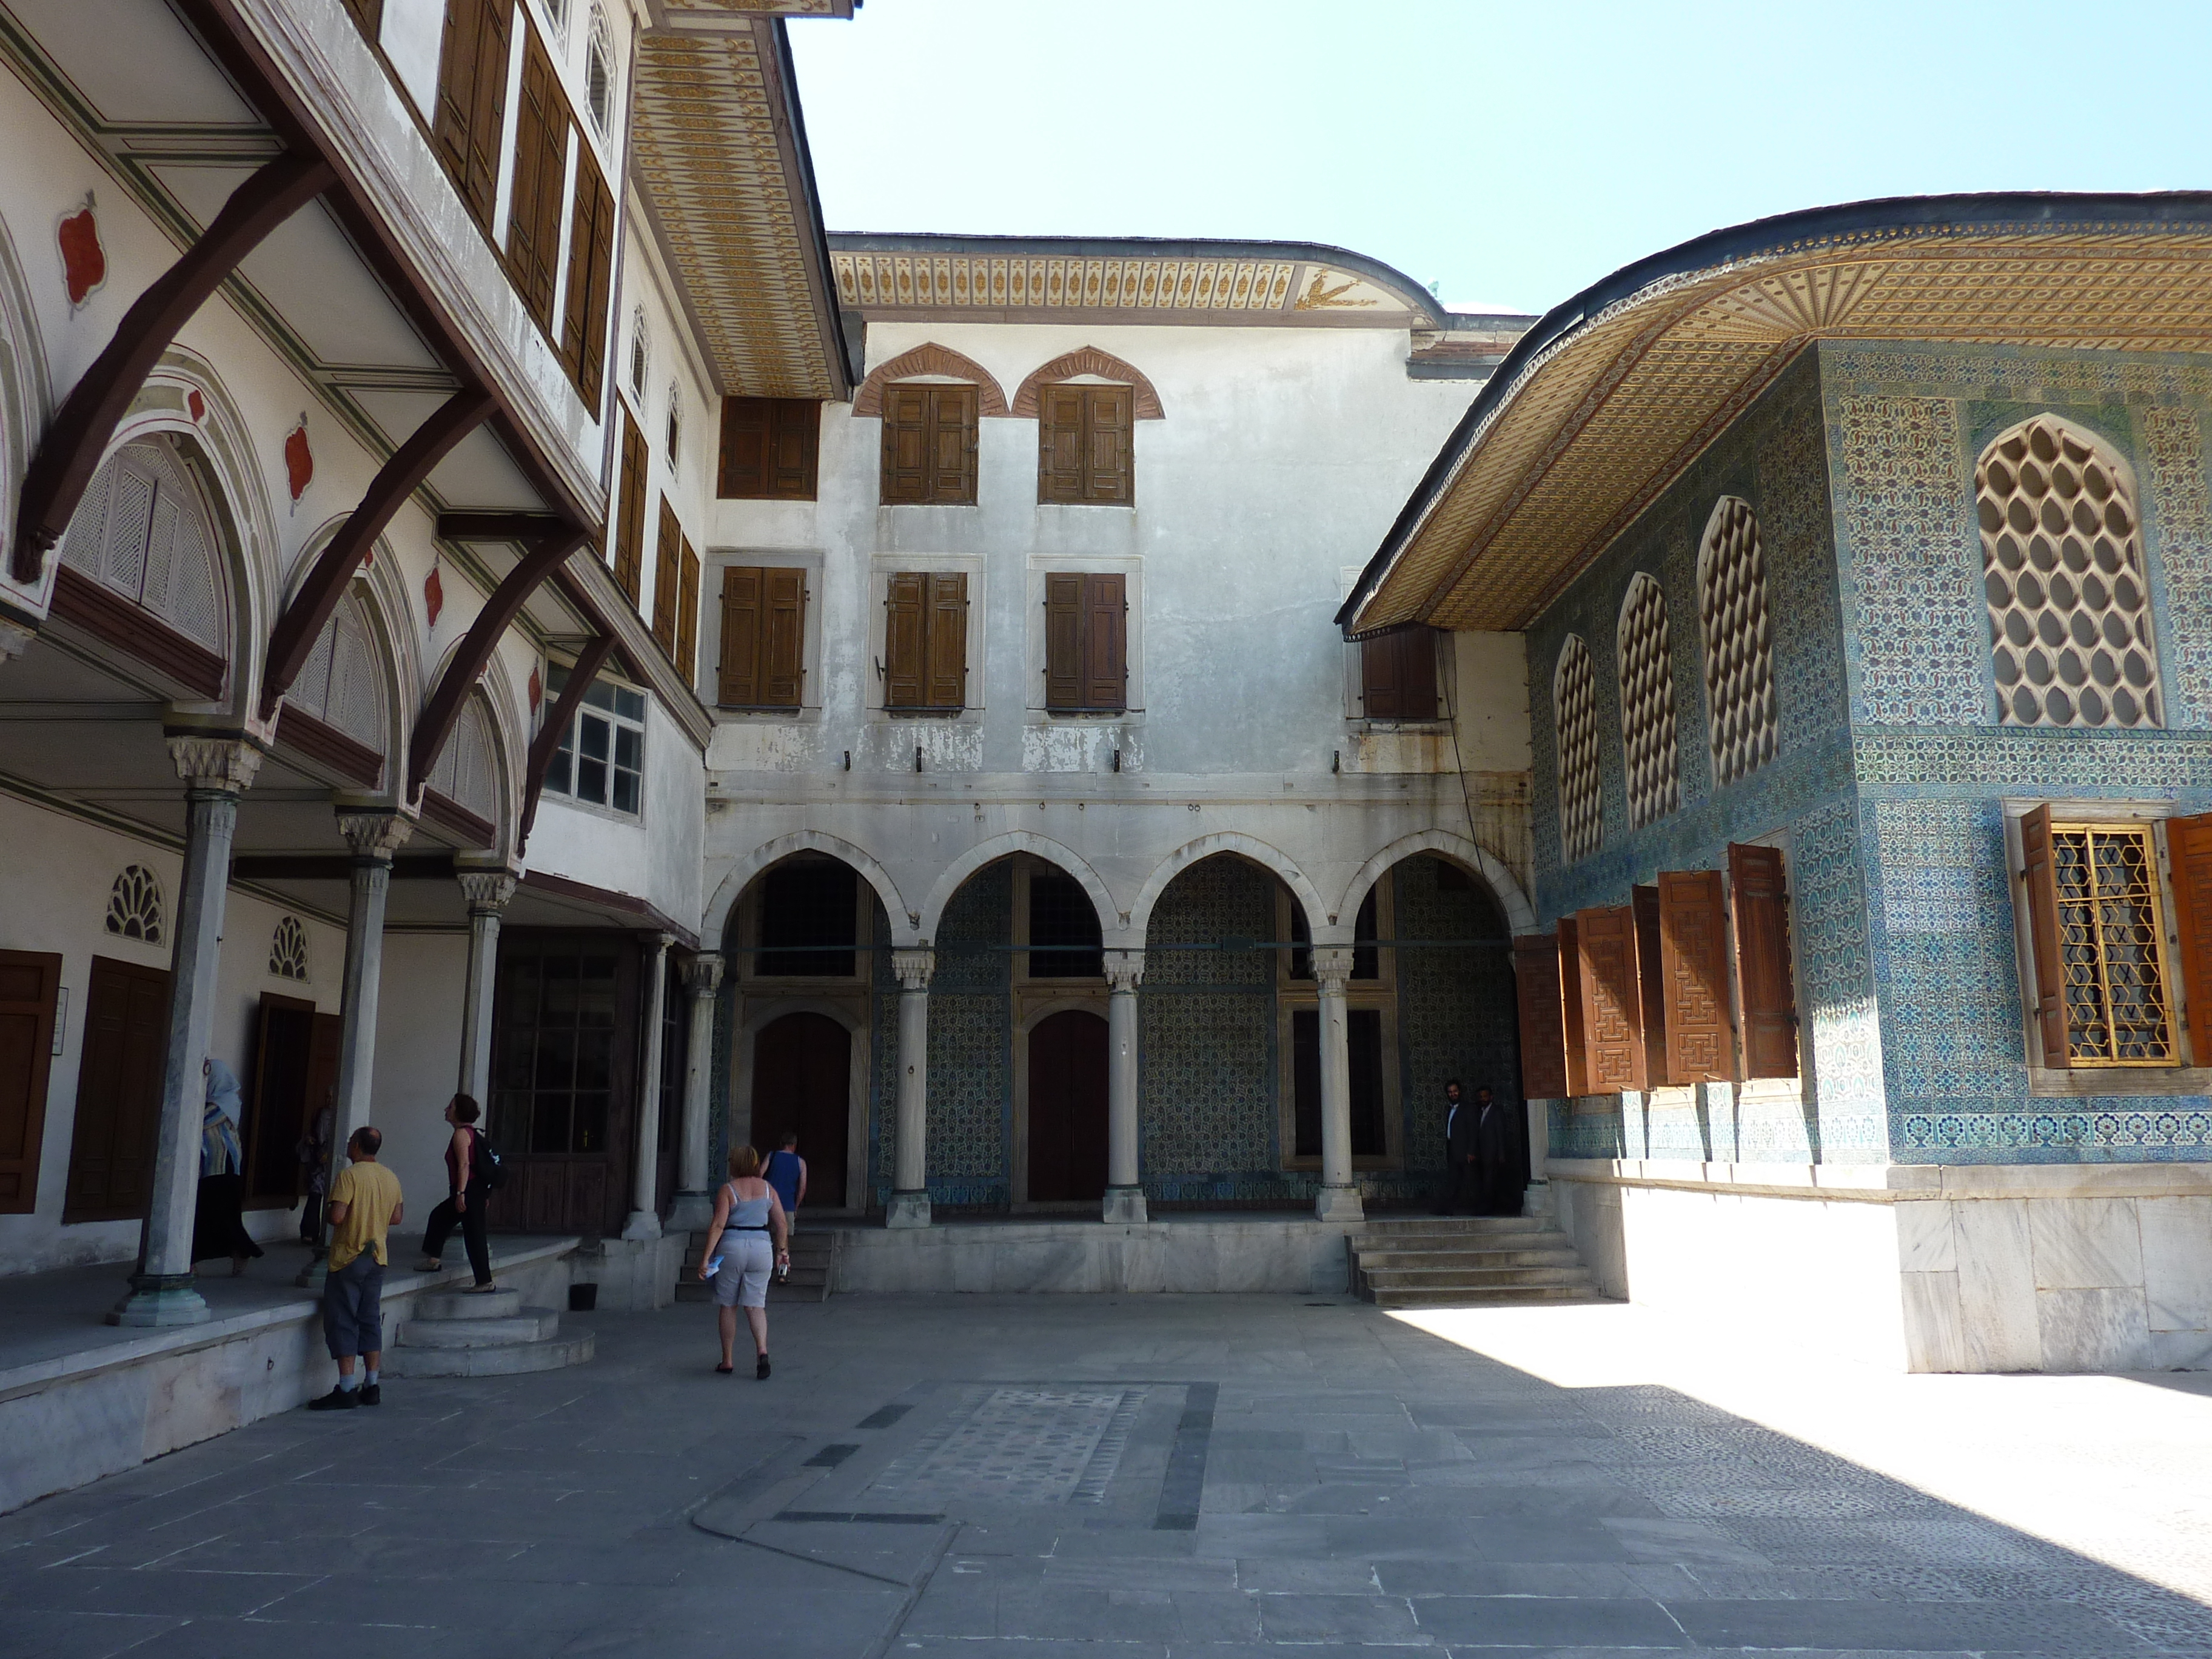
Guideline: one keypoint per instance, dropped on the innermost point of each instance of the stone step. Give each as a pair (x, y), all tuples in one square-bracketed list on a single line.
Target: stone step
[(531, 1325), (1419, 1245), (505, 1359), (1444, 1299), (454, 1304), (1495, 1223), (1473, 1278), (1563, 1256)]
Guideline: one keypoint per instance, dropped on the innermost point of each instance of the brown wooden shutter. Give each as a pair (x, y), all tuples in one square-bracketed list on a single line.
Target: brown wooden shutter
[(1063, 640), (2189, 850), (541, 157), (1693, 978), (947, 686), (770, 449), (1110, 469), (1398, 675), (1060, 444), (783, 637), (591, 275), (471, 107), (667, 572), (1543, 1035), (2039, 875), (1105, 641), (1650, 984), (953, 444), (687, 616), (1570, 1007), (30, 985), (906, 649), (1612, 1009), (795, 448), (746, 436), (1762, 955), (629, 522), (907, 410), (1379, 677), (737, 684)]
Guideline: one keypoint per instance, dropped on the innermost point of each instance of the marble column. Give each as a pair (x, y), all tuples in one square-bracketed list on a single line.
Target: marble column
[(1125, 1199), (216, 771), (644, 1221), (694, 1207), (909, 1205), (1539, 1200), (487, 892), (1338, 1200)]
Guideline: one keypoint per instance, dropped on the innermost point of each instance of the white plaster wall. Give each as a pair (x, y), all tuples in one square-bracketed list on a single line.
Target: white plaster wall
[(1491, 708), (657, 855), (418, 1046)]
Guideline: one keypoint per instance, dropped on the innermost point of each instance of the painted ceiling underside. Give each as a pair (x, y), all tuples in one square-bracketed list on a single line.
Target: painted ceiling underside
[(1596, 414)]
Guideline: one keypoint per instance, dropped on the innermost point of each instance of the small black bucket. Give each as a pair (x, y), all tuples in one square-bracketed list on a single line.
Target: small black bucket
[(583, 1298)]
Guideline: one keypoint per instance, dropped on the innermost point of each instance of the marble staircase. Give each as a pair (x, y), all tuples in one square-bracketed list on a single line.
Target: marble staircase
[(453, 1335), (813, 1269), (1453, 1262)]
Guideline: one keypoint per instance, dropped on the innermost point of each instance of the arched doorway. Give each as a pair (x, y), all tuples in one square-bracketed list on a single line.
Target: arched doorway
[(1067, 1107), (802, 1080)]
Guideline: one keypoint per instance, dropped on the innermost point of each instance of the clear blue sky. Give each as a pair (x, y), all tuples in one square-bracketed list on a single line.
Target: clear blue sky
[(1513, 155)]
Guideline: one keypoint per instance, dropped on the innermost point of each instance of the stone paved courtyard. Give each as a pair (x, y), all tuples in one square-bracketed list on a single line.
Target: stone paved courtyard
[(1141, 1477)]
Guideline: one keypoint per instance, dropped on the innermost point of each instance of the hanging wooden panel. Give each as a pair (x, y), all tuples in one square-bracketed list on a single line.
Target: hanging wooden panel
[(1063, 640), (584, 313), (737, 685), (629, 524), (541, 166), (1571, 1005), (667, 575), (1693, 978), (1761, 909), (783, 637), (945, 685), (1613, 1012), (1105, 641), (906, 647), (30, 988), (2189, 850), (1543, 1034), (1643, 902)]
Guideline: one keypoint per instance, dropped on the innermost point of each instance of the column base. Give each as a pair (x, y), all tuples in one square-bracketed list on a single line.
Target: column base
[(158, 1299), (1339, 1204), (907, 1210), (690, 1212), (642, 1224), (315, 1274), (1537, 1201), (1124, 1205)]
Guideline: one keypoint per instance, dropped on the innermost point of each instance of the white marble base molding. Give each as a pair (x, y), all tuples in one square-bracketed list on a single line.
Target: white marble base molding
[(1198, 1255), (1920, 1268)]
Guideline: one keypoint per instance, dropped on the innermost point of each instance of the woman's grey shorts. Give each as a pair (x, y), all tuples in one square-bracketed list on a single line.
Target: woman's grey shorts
[(742, 1281)]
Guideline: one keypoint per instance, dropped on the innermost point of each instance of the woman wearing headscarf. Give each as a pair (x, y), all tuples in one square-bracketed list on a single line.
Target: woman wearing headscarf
[(218, 1217)]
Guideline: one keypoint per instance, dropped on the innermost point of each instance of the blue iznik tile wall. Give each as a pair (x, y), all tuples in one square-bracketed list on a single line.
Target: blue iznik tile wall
[(1455, 1007), (1906, 425)]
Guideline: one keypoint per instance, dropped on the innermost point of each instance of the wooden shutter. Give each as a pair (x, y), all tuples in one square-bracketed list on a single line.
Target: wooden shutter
[(737, 683), (629, 525), (906, 652), (953, 444), (783, 637), (1643, 902), (1063, 640), (471, 107), (1105, 640), (908, 411), (541, 157), (2039, 876), (1543, 1035), (1060, 444), (1398, 675), (1762, 957), (1570, 1007), (590, 277), (30, 985), (1693, 978), (795, 448), (1613, 1008), (2189, 850), (1108, 469), (770, 449), (687, 616), (667, 572), (1379, 677), (744, 473), (947, 629)]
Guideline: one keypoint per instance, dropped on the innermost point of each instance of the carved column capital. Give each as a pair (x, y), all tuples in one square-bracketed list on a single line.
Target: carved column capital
[(914, 969), (214, 765), (487, 891), (703, 974), (1332, 969), (1125, 970), (375, 835)]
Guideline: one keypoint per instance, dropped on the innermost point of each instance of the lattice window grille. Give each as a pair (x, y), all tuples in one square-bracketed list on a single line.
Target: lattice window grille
[(1648, 755), (133, 905), (1574, 699), (2112, 946), (2061, 568), (288, 949), (1739, 636), (467, 772), (341, 684), (142, 531)]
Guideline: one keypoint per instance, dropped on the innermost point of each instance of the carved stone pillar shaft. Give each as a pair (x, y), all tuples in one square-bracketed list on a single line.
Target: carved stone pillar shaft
[(909, 1205), (1338, 1198), (694, 1207), (1125, 1197), (644, 1181), (487, 892)]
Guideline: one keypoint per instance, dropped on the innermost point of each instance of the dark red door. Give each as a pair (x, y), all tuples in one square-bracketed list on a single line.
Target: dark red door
[(118, 1092), (1067, 1108), (802, 1080)]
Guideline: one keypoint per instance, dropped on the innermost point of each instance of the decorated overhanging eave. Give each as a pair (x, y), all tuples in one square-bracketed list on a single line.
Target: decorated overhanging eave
[(1613, 394)]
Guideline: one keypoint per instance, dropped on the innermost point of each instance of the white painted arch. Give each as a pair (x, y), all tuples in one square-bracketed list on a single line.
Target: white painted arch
[(1520, 915), (1056, 854), (741, 874), (1319, 917)]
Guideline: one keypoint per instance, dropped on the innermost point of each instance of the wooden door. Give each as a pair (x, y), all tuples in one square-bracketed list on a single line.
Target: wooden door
[(276, 1110), (803, 1080), (1067, 1107), (564, 1067), (30, 984), (118, 1092)]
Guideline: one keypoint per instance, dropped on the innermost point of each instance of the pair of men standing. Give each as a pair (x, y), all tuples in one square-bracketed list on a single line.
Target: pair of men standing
[(1478, 1156)]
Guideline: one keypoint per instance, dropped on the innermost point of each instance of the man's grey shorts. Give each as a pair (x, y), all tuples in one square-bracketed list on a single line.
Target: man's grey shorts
[(353, 1308), (742, 1281)]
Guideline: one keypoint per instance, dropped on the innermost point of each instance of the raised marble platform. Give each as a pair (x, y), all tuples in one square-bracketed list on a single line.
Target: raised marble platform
[(1245, 1252)]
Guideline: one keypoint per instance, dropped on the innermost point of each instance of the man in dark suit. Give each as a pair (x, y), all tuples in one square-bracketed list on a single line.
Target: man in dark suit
[(1497, 1185), (1463, 1188)]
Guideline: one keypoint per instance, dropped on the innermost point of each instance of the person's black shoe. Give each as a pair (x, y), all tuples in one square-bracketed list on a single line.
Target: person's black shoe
[(761, 1370), (337, 1400), (371, 1394)]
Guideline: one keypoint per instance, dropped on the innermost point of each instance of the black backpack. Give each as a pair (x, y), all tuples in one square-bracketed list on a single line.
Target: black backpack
[(487, 1164)]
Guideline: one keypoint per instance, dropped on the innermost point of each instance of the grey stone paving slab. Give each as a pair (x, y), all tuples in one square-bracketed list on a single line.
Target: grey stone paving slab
[(1548, 1621)]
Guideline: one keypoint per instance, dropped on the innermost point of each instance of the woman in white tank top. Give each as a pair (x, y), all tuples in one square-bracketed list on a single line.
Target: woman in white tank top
[(748, 1215)]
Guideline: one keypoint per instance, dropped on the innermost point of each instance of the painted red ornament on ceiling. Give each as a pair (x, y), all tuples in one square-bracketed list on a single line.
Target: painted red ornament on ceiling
[(536, 688), (84, 262), (434, 595), (299, 459), (196, 405)]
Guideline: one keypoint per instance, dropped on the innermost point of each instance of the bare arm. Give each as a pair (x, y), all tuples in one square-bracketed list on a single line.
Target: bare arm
[(799, 1197), (337, 1211), (398, 1211), (779, 1224), (714, 1229)]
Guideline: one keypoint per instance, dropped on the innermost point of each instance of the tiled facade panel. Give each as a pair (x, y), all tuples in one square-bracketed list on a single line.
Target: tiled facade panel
[(1905, 426), (1455, 1010)]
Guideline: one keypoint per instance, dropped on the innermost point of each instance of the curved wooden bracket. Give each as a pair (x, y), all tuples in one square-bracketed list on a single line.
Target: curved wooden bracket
[(70, 452), (293, 640), (588, 663), (540, 559)]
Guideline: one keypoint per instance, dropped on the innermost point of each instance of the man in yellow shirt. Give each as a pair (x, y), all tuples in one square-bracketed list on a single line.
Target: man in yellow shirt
[(365, 1203)]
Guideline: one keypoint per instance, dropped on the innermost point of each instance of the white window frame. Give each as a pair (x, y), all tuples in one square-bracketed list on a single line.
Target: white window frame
[(616, 722)]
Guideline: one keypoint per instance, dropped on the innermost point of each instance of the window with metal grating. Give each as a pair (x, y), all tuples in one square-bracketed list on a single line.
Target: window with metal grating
[(1574, 702), (1739, 634), (1652, 763)]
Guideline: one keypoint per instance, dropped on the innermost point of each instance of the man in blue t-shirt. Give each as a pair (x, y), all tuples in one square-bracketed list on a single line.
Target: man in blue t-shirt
[(786, 1171)]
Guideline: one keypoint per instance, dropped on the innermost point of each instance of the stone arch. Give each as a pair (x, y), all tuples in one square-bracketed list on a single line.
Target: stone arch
[(755, 1015), (1089, 360), (1319, 918), (931, 358), (1019, 840), (1520, 915), (905, 924)]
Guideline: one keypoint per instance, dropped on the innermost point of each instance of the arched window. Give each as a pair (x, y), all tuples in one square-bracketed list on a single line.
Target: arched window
[(1739, 632), (133, 905), (1648, 755), (2061, 568), (1574, 703), (144, 531), (675, 426), (343, 684), (288, 949), (467, 775), (599, 74), (641, 359)]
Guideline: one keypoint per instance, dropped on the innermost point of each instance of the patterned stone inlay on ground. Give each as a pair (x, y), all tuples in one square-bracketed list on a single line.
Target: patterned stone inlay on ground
[(1017, 1445)]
